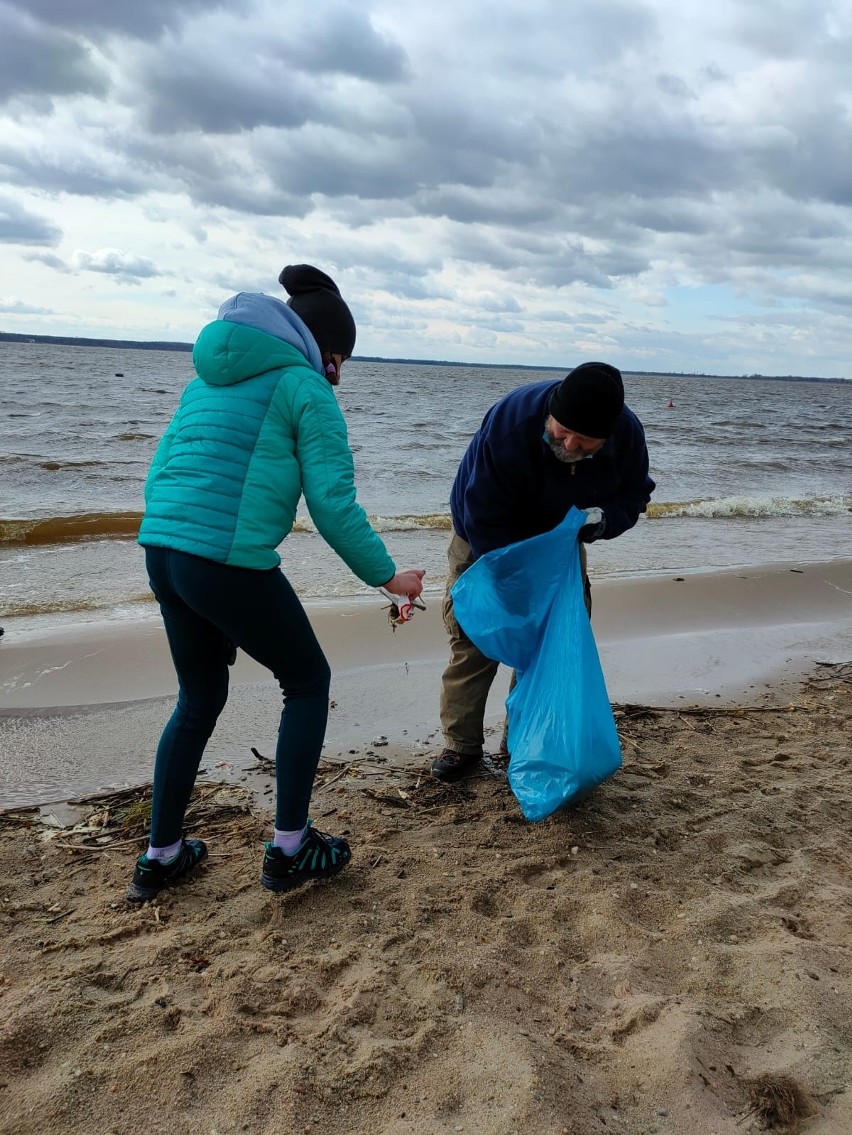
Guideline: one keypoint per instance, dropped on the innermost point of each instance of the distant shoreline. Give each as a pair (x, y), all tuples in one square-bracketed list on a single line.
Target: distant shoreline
[(139, 345)]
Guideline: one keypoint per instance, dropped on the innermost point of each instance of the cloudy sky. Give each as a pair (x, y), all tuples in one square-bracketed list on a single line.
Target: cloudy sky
[(663, 184)]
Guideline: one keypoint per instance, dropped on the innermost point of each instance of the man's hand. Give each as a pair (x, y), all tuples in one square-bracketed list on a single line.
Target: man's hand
[(594, 527)]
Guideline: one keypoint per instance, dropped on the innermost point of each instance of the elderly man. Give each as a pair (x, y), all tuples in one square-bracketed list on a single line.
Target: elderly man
[(540, 450)]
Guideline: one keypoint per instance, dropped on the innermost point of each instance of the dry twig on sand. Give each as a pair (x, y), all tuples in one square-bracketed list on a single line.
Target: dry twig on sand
[(121, 818), (779, 1101)]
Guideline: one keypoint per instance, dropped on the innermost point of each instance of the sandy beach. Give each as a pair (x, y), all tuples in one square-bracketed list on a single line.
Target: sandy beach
[(672, 955)]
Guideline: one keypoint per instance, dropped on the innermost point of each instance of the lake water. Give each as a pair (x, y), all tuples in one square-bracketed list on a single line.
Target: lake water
[(747, 471)]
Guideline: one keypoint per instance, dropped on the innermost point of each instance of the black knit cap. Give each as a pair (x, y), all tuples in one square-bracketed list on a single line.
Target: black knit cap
[(589, 400), (316, 299)]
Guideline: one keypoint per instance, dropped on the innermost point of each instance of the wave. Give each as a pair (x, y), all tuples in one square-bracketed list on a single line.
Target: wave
[(125, 525), (437, 521), (745, 507), (71, 606), (70, 529), (55, 466)]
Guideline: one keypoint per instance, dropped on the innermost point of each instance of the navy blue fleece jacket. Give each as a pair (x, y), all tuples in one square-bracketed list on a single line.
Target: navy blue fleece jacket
[(509, 486)]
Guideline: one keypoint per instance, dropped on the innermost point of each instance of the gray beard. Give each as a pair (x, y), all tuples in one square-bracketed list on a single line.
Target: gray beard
[(561, 454)]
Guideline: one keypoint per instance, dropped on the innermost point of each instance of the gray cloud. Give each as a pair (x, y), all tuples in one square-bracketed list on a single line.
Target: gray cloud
[(19, 226), (547, 39), (123, 266), (535, 261), (145, 20), (48, 259), (186, 95), (382, 267), (38, 60), (813, 160), (643, 158), (355, 212), (332, 164), (675, 86), (340, 39), (619, 149), (106, 175), (667, 215), (497, 303), (290, 82), (11, 306), (779, 28), (199, 168), (489, 205), (229, 283)]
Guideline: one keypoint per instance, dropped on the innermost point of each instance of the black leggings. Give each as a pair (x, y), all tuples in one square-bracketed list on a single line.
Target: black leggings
[(207, 606)]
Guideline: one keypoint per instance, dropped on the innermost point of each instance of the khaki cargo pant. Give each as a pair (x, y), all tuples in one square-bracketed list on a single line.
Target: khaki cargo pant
[(469, 674)]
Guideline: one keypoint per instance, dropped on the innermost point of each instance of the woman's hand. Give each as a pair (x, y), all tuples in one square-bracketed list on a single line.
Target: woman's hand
[(408, 582)]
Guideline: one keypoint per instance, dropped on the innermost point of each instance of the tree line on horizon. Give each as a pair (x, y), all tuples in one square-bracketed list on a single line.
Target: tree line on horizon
[(156, 345)]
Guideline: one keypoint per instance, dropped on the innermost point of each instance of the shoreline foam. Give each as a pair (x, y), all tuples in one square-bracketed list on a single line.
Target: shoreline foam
[(123, 524)]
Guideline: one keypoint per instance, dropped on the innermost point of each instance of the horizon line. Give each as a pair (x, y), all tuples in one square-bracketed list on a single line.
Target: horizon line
[(174, 345)]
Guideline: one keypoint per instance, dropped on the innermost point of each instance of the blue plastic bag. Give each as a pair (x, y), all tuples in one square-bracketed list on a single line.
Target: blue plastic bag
[(523, 605)]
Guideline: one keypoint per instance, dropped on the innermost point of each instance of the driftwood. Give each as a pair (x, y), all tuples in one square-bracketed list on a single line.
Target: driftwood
[(121, 818)]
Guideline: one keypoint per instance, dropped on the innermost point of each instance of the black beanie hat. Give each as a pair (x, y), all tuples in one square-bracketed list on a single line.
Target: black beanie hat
[(316, 299), (589, 400)]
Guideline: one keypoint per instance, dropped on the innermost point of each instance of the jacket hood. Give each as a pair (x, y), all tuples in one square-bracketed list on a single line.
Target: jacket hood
[(254, 333)]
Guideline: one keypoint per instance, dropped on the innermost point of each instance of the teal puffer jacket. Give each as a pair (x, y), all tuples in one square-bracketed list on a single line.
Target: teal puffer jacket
[(256, 429)]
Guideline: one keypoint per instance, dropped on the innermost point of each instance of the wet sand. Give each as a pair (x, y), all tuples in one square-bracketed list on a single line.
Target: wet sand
[(81, 707)]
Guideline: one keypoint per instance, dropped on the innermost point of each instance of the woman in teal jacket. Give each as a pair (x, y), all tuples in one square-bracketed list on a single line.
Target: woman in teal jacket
[(258, 428)]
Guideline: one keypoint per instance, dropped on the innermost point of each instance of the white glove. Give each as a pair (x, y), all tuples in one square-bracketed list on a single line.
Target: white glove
[(594, 527)]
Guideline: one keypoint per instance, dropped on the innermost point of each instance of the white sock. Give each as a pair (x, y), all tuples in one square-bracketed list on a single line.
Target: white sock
[(289, 842), (164, 853)]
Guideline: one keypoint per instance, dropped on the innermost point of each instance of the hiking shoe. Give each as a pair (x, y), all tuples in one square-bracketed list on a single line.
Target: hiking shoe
[(152, 875), (450, 765), (319, 857)]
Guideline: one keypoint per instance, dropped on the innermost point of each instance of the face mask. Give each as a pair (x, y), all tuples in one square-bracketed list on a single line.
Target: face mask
[(332, 374)]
